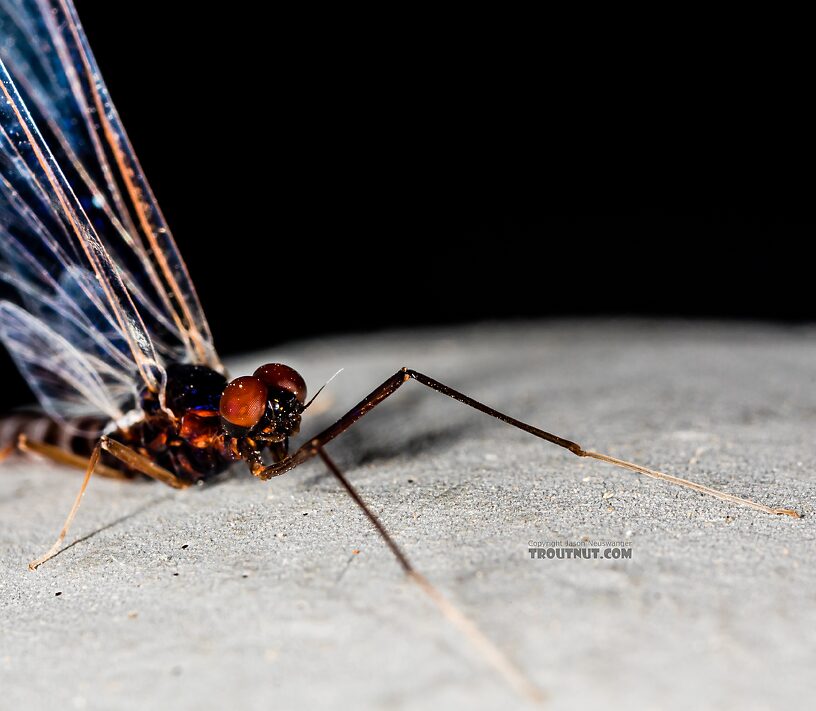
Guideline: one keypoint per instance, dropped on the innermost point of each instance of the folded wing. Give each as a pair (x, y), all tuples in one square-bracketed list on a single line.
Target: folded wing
[(82, 241)]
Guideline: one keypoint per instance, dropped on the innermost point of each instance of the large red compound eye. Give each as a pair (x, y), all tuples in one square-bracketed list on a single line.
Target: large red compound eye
[(243, 402), (282, 377)]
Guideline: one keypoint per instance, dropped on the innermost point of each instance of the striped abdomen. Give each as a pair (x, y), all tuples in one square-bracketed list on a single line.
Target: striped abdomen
[(78, 435)]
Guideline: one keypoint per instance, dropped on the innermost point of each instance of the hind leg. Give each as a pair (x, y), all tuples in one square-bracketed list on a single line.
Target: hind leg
[(60, 456), (132, 459)]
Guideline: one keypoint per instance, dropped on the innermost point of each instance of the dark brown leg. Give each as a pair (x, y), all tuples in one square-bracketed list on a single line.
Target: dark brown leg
[(390, 386), (500, 662), (133, 459)]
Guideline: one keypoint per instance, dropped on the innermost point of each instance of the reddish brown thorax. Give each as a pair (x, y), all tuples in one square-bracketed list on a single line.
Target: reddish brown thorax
[(200, 428)]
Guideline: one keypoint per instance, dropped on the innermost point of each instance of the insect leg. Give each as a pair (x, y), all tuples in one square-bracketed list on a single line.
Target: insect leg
[(311, 448), (579, 451), (132, 459), (62, 456), (142, 464), (500, 662)]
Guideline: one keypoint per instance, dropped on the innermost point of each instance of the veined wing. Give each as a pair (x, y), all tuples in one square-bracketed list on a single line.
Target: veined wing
[(48, 55), (67, 382), (80, 341)]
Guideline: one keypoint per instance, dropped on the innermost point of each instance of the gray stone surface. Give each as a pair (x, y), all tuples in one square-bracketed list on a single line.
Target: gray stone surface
[(247, 594)]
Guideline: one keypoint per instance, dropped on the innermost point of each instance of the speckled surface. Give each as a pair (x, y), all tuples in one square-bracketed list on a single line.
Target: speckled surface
[(247, 594)]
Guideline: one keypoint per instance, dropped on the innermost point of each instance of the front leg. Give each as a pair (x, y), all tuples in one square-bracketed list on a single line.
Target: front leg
[(312, 447), (390, 386)]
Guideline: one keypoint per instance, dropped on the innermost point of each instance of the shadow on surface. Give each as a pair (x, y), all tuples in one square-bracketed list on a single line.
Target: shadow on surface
[(141, 509)]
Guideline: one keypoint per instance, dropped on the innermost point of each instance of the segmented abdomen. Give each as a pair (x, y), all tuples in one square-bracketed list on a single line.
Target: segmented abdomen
[(77, 435)]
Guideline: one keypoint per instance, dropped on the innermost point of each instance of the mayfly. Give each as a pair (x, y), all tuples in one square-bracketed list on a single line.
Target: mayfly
[(106, 326)]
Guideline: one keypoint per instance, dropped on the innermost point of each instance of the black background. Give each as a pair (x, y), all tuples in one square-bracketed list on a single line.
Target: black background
[(336, 173)]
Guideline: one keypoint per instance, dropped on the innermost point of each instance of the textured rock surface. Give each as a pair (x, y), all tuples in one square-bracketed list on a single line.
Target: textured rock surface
[(248, 594)]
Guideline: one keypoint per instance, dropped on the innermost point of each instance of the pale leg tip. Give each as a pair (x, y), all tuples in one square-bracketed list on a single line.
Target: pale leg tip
[(34, 564)]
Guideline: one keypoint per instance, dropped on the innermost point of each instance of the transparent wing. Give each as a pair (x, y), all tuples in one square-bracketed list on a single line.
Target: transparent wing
[(47, 54), (67, 382), (79, 314)]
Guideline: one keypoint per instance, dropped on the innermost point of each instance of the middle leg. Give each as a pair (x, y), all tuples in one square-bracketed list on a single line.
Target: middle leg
[(514, 676)]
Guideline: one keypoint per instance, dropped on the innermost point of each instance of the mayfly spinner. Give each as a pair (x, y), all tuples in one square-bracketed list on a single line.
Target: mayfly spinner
[(105, 324)]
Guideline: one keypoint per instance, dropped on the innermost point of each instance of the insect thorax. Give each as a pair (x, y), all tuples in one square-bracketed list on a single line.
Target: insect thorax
[(191, 442)]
